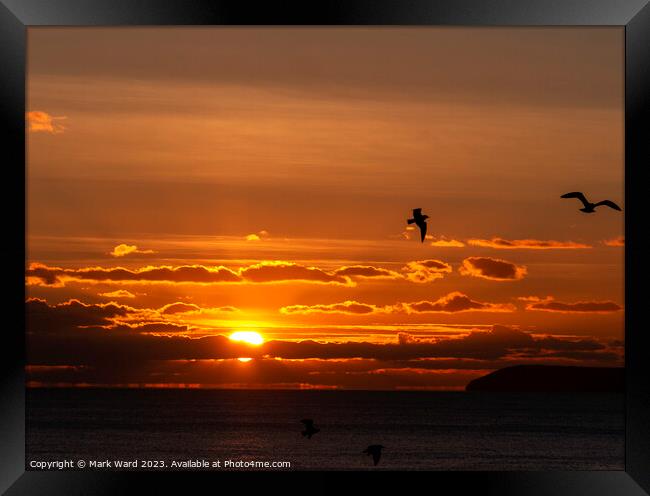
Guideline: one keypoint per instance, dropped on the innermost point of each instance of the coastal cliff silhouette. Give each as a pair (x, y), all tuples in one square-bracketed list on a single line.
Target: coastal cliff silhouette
[(550, 378)]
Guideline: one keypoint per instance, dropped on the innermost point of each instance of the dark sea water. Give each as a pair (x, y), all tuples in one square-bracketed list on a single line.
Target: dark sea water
[(420, 430)]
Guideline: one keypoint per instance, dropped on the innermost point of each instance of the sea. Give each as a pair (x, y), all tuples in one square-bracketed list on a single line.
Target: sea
[(203, 429)]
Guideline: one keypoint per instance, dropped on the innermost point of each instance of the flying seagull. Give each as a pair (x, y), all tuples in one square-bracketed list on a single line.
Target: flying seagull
[(590, 208), (420, 221), (310, 430), (375, 451)]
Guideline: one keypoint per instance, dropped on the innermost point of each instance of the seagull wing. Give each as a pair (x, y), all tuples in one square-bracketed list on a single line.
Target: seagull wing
[(376, 455), (578, 195), (608, 203), (423, 230), (308, 423), (417, 212)]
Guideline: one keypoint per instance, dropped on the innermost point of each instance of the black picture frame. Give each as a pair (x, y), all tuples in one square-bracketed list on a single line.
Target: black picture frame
[(17, 15)]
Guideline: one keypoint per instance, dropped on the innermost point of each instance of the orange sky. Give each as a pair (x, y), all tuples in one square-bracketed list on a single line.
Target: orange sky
[(187, 183)]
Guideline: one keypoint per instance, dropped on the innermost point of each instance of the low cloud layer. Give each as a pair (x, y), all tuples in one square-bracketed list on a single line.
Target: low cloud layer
[(492, 268), (77, 333), (75, 342)]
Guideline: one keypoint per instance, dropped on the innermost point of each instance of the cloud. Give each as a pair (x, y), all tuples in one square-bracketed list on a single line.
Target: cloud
[(123, 250), (259, 236), (70, 342), (166, 341), (179, 307), (347, 307), (533, 298), (424, 271), (179, 274), (45, 318), (526, 244), (120, 293), (112, 317), (367, 271), (452, 303), (158, 328), (550, 305), (443, 242), (39, 121), (287, 271), (620, 241), (492, 268), (262, 272), (405, 338)]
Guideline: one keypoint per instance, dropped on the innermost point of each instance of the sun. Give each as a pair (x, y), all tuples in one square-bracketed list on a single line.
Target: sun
[(249, 337)]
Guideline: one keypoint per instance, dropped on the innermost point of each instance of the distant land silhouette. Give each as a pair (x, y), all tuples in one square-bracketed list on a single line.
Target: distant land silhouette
[(550, 378)]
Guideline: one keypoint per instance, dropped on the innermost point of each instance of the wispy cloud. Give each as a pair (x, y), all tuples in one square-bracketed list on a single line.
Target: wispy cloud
[(39, 121), (452, 303), (120, 293), (548, 304), (526, 244), (619, 241), (443, 242), (456, 302), (346, 307), (367, 271)]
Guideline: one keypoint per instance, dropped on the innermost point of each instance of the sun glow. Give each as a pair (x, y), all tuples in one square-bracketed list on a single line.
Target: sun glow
[(249, 337)]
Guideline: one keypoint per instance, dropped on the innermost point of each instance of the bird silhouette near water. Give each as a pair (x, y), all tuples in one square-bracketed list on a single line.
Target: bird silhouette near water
[(419, 220), (375, 451), (590, 208), (310, 430)]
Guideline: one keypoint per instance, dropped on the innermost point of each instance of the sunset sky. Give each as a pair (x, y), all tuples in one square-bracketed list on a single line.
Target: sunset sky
[(186, 184)]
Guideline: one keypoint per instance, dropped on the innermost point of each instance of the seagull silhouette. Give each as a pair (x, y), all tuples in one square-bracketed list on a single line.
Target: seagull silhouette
[(420, 221), (590, 208), (375, 451), (310, 430)]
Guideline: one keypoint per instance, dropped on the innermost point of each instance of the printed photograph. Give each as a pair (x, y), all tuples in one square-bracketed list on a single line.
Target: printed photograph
[(325, 248)]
